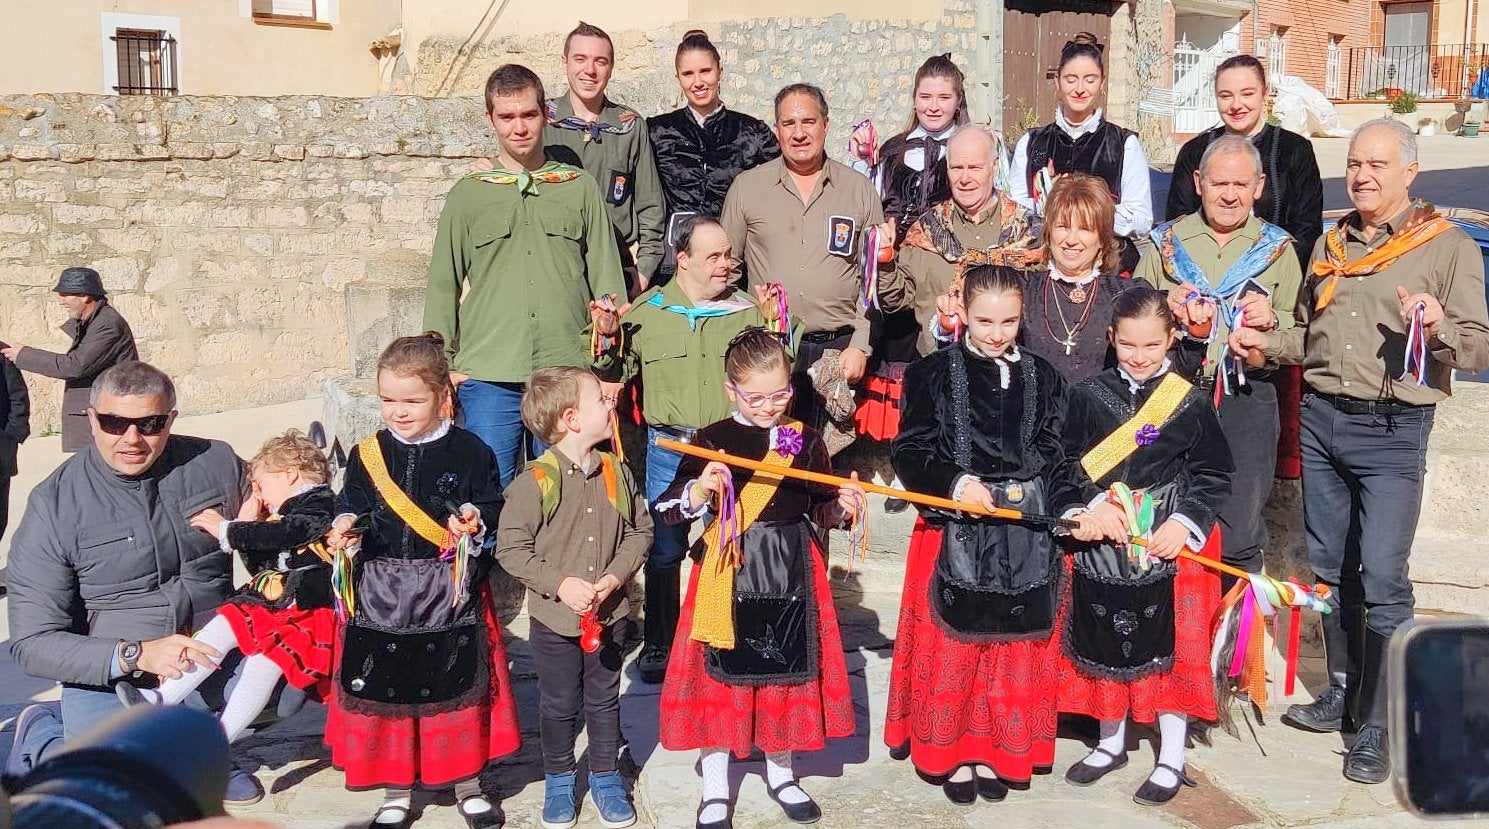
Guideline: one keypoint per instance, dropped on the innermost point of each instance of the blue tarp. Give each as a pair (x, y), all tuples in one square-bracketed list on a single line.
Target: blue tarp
[(1481, 87)]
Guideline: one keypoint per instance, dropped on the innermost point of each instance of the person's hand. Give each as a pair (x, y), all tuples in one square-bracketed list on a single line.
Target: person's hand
[(1200, 313), (711, 479), (1106, 521), (1248, 343), (610, 392), (1177, 297), (851, 497), (1168, 540), (1256, 311), (481, 165), (340, 536), (769, 296), (977, 493), (253, 507), (853, 364), (948, 311), (467, 522), (208, 521), (456, 378), (606, 320), (577, 594), (860, 147), (11, 351), (168, 657), (886, 241), (604, 587), (1432, 314)]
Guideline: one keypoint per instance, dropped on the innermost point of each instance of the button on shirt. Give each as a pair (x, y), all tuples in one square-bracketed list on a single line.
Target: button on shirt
[(1356, 347), (783, 239)]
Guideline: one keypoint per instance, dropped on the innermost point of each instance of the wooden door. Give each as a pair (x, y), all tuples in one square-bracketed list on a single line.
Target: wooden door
[(1034, 32)]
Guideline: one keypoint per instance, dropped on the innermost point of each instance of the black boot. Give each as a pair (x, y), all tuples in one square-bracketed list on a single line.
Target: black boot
[(661, 622), (1329, 711), (1369, 759)]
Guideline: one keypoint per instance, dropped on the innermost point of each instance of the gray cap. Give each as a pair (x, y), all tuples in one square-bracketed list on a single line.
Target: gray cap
[(80, 281)]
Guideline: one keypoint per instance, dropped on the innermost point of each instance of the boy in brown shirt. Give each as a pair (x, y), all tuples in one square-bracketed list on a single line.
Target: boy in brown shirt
[(574, 530)]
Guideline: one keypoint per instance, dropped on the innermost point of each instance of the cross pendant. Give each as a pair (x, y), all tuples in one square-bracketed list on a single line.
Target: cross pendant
[(1069, 344)]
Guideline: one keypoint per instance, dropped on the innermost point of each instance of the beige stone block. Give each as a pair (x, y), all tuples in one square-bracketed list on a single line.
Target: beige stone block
[(33, 152), (281, 216), (193, 150), (256, 189), (120, 273), (259, 243), (46, 190), (182, 214), (342, 271), (15, 251), (132, 239), (257, 150), (75, 153), (230, 217), (320, 150), (225, 149), (313, 190), (122, 186), (152, 152), (22, 224), (289, 152), (66, 244), (82, 214), (313, 244), (403, 209), (350, 151), (163, 273)]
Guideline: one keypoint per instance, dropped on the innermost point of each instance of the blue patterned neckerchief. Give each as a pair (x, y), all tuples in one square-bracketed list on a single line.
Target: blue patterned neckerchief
[(1270, 244), (708, 309)]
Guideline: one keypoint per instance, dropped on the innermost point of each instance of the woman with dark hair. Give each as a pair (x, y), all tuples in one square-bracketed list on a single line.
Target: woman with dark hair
[(1080, 140), (1292, 198), (702, 146)]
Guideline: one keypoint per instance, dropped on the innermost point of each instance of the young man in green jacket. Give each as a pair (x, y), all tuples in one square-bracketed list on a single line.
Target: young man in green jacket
[(531, 240), (609, 140), (674, 338)]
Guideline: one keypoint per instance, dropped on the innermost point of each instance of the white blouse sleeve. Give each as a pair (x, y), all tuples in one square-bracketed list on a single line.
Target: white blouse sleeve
[(1135, 211), (1018, 174)]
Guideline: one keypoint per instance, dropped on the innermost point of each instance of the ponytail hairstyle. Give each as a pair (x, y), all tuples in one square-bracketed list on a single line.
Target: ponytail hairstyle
[(940, 66), (696, 40), (1084, 44), (991, 279), (1142, 302), (421, 356), (755, 350)]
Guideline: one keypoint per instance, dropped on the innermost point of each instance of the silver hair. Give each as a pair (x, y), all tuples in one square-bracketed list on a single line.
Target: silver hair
[(1231, 144), (1404, 137), (134, 378)]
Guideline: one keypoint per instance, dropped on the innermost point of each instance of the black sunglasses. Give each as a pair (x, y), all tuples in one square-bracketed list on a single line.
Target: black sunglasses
[(149, 425)]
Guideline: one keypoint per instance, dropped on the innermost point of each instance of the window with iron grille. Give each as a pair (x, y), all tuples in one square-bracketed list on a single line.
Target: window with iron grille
[(1277, 53), (1331, 68), (146, 62)]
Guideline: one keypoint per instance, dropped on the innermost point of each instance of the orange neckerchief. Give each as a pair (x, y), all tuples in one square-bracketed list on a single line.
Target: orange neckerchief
[(1421, 227)]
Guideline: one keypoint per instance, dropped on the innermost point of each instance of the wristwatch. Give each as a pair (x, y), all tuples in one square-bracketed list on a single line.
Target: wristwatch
[(129, 654)]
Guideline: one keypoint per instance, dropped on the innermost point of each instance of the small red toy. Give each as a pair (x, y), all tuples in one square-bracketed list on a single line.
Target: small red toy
[(589, 632)]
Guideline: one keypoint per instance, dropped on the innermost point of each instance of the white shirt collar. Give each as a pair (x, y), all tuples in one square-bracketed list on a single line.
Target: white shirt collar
[(428, 437), (1087, 126), (1134, 385), (1003, 360), (1095, 272), (704, 119)]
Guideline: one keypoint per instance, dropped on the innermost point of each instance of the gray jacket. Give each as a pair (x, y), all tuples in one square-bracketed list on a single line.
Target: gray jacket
[(100, 557), (97, 344)]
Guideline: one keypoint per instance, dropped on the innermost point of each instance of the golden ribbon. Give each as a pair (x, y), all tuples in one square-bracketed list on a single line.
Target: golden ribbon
[(1122, 442), (403, 506)]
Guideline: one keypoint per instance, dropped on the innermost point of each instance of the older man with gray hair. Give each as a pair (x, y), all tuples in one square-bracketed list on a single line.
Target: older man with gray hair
[(107, 576), (1223, 269), (1395, 304)]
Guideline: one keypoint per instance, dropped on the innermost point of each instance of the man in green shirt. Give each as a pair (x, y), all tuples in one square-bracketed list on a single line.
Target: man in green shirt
[(674, 338), (529, 244), (609, 140)]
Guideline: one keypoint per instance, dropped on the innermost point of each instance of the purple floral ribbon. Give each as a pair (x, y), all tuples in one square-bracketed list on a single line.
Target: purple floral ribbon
[(1147, 435), (788, 441)]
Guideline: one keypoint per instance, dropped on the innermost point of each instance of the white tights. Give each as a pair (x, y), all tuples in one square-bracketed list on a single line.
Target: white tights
[(714, 763), (255, 683)]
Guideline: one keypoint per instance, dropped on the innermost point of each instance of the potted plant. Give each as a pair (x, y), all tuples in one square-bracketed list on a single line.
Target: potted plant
[(1404, 104), (1471, 121)]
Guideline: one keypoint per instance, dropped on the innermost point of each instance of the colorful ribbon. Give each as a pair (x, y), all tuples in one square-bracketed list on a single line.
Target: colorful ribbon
[(601, 344), (342, 592), (615, 445), (858, 531), (459, 550), (1139, 509), (782, 322), (1044, 181), (1417, 358), (730, 554), (871, 144)]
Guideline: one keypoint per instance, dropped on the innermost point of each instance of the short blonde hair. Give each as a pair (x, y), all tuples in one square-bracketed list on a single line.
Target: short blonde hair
[(1082, 200), (550, 392), (292, 450)]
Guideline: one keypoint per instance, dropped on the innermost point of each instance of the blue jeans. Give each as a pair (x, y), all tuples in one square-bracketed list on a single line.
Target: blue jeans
[(493, 413), (79, 711), (669, 543)]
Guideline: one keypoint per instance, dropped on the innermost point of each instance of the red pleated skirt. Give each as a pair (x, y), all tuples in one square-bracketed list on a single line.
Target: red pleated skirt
[(1289, 383), (299, 642), (953, 702), (699, 711), (436, 750), (878, 415), (1186, 687)]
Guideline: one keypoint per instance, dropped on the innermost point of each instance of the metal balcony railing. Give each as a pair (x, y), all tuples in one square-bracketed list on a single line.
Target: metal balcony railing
[(1436, 71)]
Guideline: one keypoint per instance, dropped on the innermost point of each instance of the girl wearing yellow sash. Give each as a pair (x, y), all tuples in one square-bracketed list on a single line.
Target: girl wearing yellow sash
[(759, 660), (422, 695), (1136, 639)]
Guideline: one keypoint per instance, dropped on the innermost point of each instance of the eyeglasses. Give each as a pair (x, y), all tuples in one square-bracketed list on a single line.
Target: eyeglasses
[(783, 396), (149, 425)]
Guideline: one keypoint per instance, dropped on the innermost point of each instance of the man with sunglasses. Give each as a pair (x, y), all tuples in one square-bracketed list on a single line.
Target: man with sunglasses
[(107, 576), (674, 338), (100, 338)]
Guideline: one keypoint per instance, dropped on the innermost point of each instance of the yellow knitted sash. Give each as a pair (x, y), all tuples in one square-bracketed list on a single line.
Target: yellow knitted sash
[(1123, 441), (713, 603), (403, 506)]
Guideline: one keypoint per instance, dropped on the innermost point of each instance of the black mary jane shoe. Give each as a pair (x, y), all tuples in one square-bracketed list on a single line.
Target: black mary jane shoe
[(1152, 794), (1084, 774), (990, 789), (404, 822), (726, 823), (493, 818), (808, 812), (963, 793)]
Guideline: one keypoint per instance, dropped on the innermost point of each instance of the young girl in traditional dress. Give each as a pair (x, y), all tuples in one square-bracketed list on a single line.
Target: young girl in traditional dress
[(1136, 642), (759, 660), (282, 619), (972, 688), (422, 693)]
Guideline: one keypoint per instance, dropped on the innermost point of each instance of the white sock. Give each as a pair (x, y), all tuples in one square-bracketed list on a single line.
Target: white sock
[(1172, 730), (218, 634), (778, 773), (152, 695), (962, 775), (251, 693), (715, 765), (470, 798), (985, 772), (1113, 739), (395, 799)]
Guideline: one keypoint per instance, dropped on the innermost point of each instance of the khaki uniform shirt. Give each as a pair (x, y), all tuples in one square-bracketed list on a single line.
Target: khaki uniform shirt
[(586, 538), (783, 239), (1356, 347), (919, 277), (1283, 278)]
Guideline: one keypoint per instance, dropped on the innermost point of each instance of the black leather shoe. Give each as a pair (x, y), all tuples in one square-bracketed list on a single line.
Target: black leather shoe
[(990, 789), (493, 818), (1368, 760), (1324, 714), (1084, 774), (652, 663), (405, 818), (808, 812), (1152, 794), (895, 505), (963, 793), (726, 823)]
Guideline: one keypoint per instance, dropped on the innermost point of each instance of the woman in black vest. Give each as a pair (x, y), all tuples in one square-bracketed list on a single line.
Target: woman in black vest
[(701, 147), (1081, 141)]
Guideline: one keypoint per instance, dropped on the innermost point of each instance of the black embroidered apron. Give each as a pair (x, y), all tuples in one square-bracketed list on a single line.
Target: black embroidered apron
[(775, 609)]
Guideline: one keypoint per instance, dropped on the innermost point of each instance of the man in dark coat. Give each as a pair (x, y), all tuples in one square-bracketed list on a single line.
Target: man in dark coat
[(15, 427), (100, 338)]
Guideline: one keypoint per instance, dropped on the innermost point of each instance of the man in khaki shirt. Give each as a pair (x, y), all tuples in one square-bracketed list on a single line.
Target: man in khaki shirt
[(1365, 420), (799, 221), (1230, 254)]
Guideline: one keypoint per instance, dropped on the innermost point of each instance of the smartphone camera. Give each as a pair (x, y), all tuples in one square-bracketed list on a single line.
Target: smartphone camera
[(1439, 709)]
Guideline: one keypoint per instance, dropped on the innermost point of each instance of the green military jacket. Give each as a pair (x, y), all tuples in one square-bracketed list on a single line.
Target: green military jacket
[(617, 152), (533, 254)]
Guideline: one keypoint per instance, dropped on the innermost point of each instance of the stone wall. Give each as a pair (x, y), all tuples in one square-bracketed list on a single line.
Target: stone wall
[(226, 229)]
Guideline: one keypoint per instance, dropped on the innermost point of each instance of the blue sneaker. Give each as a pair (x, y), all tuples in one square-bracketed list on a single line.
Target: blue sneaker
[(611, 800), (46, 716), (559, 809), (243, 789)]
